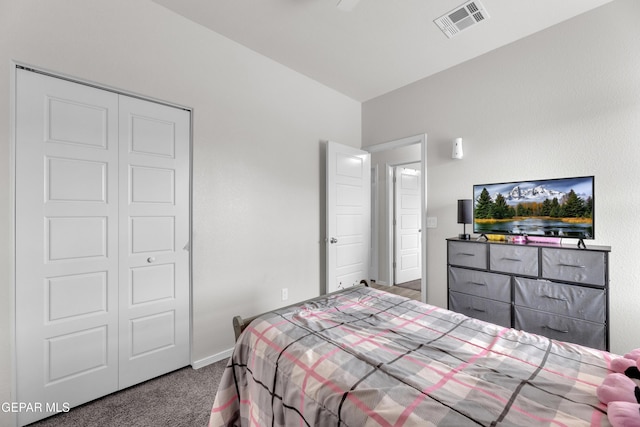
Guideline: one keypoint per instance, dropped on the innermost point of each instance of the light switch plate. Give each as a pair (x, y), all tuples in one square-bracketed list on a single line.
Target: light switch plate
[(432, 222)]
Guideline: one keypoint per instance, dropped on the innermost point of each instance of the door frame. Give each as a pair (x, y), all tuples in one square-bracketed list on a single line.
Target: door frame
[(403, 142), (15, 65), (374, 240)]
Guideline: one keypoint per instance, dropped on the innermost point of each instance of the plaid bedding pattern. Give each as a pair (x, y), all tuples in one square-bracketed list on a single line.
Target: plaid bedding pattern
[(369, 358)]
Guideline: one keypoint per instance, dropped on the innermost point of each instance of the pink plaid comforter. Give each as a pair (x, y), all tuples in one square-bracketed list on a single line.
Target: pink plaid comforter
[(370, 358)]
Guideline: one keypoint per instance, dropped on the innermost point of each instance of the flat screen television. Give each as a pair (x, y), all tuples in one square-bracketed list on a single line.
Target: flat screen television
[(561, 207)]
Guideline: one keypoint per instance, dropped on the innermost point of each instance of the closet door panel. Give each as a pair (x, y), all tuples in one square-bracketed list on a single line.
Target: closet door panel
[(66, 242), (154, 257)]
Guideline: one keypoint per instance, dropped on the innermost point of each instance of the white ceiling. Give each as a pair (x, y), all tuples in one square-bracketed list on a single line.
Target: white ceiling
[(380, 45)]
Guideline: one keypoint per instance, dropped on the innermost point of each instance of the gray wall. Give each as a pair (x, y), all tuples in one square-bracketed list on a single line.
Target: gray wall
[(563, 102), (257, 157)]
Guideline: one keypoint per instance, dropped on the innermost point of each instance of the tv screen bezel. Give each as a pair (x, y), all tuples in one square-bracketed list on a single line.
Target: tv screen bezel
[(513, 184)]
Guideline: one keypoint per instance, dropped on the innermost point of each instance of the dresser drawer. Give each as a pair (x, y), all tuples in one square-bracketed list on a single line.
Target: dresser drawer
[(574, 265), (480, 283), (481, 308), (568, 300), (561, 328), (514, 259), (468, 254)]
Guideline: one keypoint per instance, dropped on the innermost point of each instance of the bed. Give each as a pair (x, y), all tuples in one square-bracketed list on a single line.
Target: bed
[(365, 357)]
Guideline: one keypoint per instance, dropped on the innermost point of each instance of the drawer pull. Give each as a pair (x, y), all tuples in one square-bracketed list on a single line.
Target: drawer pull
[(572, 266), (557, 330), (477, 309), (555, 298), (466, 254), (478, 283), (512, 259)]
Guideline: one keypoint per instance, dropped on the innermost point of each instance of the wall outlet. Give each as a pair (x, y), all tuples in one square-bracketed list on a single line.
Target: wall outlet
[(285, 294)]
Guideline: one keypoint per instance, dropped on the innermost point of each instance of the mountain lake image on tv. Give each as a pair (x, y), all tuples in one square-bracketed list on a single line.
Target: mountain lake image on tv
[(550, 207)]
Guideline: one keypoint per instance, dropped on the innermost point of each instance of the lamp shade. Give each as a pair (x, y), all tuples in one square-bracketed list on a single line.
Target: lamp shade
[(465, 211)]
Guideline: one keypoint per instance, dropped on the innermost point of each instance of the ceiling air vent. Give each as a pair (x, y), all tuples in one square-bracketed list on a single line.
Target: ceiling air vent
[(461, 18)]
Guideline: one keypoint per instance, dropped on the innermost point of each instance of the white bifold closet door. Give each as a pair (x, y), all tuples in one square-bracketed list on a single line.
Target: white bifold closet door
[(102, 242)]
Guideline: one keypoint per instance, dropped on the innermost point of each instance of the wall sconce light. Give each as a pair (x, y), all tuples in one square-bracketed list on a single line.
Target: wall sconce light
[(457, 149), (465, 216)]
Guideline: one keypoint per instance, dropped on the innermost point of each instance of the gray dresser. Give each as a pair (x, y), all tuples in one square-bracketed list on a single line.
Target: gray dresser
[(557, 291)]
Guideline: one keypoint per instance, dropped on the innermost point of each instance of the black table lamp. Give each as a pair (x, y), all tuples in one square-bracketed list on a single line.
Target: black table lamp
[(465, 216)]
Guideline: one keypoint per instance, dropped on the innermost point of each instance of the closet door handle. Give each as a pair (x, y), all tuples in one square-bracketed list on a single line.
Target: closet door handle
[(151, 259)]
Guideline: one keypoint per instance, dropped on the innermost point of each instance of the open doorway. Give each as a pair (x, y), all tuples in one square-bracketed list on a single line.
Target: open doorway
[(386, 160), (360, 255)]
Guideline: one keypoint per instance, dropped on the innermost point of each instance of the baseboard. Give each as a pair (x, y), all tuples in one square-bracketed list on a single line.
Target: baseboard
[(197, 364)]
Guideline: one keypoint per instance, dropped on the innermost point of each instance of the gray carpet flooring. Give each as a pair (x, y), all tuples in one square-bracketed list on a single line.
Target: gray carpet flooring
[(182, 398), (398, 290), (413, 285)]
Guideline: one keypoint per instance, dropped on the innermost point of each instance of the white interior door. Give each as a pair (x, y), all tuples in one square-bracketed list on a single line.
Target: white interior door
[(348, 216), (408, 230), (154, 240), (66, 242), (102, 229)]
